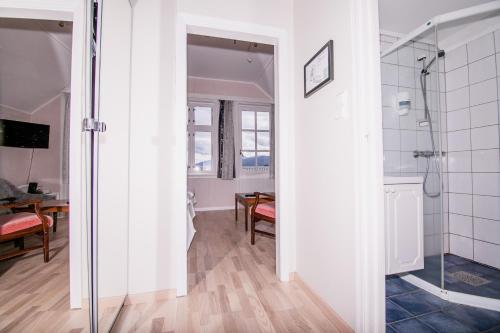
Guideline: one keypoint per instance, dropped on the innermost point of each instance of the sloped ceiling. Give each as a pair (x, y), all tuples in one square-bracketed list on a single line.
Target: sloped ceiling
[(402, 16), (218, 58), (35, 63)]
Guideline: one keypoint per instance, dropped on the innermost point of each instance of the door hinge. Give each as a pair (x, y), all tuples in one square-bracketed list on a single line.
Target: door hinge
[(92, 125)]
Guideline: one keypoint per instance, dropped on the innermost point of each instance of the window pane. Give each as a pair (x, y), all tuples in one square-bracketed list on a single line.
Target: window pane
[(203, 115), (248, 120), (248, 159), (263, 159), (248, 140), (203, 151), (263, 141), (263, 120)]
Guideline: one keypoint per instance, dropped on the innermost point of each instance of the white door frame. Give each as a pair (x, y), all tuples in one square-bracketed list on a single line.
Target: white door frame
[(67, 11), (285, 176), (368, 151)]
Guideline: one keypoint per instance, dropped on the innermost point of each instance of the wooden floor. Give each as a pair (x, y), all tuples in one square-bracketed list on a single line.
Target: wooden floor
[(232, 288), (34, 296)]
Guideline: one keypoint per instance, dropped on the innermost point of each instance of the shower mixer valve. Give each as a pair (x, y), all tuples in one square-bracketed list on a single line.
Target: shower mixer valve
[(427, 153)]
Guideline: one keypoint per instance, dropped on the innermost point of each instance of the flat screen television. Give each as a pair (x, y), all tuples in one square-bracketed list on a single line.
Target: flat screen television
[(23, 134)]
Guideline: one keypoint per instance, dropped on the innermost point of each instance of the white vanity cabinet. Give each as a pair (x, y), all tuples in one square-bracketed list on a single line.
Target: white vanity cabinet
[(404, 224)]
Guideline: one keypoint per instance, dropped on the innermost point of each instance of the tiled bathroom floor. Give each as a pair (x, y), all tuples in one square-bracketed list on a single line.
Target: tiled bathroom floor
[(410, 309), (452, 264)]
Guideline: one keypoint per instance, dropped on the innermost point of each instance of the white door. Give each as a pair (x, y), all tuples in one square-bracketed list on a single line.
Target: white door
[(404, 228)]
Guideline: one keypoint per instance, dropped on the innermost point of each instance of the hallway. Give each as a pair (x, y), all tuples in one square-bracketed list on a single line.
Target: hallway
[(232, 288)]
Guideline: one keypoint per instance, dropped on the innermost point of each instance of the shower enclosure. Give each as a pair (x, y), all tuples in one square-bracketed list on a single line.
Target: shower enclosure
[(450, 137)]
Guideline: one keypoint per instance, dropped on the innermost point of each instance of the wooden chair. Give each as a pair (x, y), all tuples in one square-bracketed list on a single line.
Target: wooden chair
[(16, 226), (263, 210)]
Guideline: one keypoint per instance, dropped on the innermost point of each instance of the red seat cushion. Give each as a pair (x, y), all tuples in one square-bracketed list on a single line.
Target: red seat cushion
[(16, 222), (266, 209)]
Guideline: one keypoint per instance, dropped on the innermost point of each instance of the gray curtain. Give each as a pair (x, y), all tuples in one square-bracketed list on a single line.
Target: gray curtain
[(226, 166), (65, 148), (272, 160)]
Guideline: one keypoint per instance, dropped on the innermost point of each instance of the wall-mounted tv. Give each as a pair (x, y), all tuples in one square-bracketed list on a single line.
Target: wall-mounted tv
[(23, 135)]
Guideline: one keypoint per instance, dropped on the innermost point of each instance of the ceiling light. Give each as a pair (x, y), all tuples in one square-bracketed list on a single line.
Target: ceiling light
[(249, 60)]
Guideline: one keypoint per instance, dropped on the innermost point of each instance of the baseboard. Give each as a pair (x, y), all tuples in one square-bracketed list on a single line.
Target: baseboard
[(151, 297), (324, 307), (208, 209)]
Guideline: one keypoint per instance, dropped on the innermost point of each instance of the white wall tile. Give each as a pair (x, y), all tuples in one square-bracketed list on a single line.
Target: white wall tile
[(483, 92), (486, 160), (460, 182), (458, 120), (484, 114), (408, 121), (389, 74), (459, 161), (497, 40), (391, 161), (487, 230), (457, 99), (391, 58), (487, 253), (459, 140), (406, 56), (432, 245), (487, 184), (461, 246), (484, 137), (408, 162), (480, 48), (406, 77), (486, 207), (391, 140), (461, 225), (482, 70), (389, 93), (424, 140), (408, 140), (457, 78), (456, 58), (460, 204), (498, 63), (390, 118)]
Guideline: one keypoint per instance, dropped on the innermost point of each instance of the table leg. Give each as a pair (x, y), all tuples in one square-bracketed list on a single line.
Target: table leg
[(246, 218), (54, 220), (236, 208)]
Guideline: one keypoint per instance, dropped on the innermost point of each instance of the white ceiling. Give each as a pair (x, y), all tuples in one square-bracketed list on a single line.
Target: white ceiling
[(402, 16), (217, 58), (35, 62)]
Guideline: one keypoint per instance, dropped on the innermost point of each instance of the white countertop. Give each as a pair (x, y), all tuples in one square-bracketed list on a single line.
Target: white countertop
[(403, 180)]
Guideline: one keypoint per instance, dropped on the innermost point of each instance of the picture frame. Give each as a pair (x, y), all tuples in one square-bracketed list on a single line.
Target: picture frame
[(318, 71)]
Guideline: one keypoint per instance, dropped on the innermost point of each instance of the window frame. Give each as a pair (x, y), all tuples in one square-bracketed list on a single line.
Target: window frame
[(255, 171), (192, 128)]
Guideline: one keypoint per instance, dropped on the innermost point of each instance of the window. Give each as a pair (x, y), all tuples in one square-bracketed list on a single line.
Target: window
[(202, 145), (255, 138)]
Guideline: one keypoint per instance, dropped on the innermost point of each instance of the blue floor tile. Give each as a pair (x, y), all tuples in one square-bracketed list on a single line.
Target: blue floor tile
[(397, 286), (412, 326), (414, 304), (394, 312), (455, 260), (479, 319), (495, 330), (389, 329), (444, 323), (431, 299)]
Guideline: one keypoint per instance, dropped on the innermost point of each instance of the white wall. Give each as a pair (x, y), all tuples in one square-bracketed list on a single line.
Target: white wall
[(324, 152), (226, 88), (153, 232)]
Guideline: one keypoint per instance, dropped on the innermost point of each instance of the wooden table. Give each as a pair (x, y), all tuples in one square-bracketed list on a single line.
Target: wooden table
[(246, 200), (53, 207)]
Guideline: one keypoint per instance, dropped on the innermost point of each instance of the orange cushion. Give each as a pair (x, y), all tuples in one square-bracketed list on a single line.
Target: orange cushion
[(266, 209), (15, 222)]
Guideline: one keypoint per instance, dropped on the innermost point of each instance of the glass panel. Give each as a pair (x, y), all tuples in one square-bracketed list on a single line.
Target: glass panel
[(263, 159), (202, 151), (203, 115), (248, 140), (263, 142), (263, 121), (248, 120), (248, 159)]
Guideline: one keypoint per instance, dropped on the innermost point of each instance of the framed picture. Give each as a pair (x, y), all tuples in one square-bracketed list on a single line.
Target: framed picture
[(319, 70)]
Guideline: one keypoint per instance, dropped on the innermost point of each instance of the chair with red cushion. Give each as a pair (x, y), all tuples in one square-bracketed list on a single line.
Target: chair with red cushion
[(14, 227), (263, 210)]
